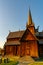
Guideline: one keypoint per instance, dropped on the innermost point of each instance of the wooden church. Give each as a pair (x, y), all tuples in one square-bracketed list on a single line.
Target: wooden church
[(27, 42)]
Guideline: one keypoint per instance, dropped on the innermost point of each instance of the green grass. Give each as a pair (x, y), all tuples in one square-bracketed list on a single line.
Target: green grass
[(10, 63), (13, 60), (15, 63), (36, 63)]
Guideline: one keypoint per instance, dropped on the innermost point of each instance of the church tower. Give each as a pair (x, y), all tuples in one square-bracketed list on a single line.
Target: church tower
[(30, 24)]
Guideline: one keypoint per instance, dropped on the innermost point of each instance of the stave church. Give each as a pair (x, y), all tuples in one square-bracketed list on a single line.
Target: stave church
[(28, 42)]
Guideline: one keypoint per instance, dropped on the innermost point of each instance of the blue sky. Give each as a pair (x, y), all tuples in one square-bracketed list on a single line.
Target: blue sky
[(14, 15)]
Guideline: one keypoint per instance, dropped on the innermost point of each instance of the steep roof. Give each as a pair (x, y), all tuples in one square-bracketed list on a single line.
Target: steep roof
[(30, 32), (17, 34), (30, 22)]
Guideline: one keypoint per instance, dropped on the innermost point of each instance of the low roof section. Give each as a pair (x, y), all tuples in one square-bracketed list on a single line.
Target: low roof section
[(40, 41), (39, 34), (17, 34), (12, 43)]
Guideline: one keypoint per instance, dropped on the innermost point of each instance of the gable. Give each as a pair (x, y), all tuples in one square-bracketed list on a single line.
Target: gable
[(28, 35)]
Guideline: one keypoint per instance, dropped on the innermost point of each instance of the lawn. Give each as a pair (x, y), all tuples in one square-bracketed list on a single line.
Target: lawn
[(10, 63), (36, 63), (15, 63), (12, 60)]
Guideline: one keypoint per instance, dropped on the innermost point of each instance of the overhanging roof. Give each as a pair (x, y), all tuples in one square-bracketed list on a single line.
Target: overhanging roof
[(12, 43), (39, 34), (17, 34)]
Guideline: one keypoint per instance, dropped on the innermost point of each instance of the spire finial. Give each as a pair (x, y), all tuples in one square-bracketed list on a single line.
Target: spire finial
[(29, 22), (29, 17)]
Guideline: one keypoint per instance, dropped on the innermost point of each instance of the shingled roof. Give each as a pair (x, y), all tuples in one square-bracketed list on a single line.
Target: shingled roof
[(16, 34), (12, 43), (39, 34)]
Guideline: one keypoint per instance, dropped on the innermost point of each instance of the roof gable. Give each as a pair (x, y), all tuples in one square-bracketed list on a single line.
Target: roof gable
[(28, 35)]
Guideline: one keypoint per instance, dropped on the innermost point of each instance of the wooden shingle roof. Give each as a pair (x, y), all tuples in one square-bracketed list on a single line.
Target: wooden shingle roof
[(17, 34), (12, 43), (39, 34)]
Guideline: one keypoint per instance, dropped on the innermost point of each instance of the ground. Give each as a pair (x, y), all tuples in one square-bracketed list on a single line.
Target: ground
[(10, 63), (14, 63), (12, 60), (36, 63), (22, 61)]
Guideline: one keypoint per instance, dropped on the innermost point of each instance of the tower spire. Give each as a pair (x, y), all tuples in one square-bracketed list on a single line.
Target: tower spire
[(30, 22), (30, 25), (29, 18)]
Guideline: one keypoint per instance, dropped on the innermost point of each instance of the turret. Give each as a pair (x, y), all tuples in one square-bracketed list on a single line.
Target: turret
[(30, 24)]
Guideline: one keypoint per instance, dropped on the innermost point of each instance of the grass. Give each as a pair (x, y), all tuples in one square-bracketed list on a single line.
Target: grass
[(15, 63), (13, 60), (36, 63), (10, 63)]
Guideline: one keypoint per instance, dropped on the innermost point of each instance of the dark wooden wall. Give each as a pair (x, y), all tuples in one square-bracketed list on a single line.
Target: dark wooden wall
[(13, 39), (13, 50), (29, 48)]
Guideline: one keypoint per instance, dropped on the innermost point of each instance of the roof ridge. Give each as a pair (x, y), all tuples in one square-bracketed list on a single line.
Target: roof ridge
[(15, 34), (17, 31)]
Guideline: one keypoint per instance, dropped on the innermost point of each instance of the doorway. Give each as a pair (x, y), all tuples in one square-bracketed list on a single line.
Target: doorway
[(27, 49)]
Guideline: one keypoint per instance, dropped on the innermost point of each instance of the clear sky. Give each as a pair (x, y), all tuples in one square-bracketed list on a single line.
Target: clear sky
[(14, 15)]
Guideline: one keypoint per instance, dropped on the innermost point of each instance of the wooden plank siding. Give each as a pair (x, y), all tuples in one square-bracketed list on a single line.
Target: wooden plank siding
[(13, 39), (29, 48), (34, 49), (13, 50), (28, 45), (22, 49), (40, 50)]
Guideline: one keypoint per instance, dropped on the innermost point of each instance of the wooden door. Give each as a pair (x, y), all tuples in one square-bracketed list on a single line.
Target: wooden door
[(27, 49)]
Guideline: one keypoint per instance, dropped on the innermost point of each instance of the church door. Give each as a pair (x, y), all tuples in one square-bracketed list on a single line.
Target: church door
[(27, 49)]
